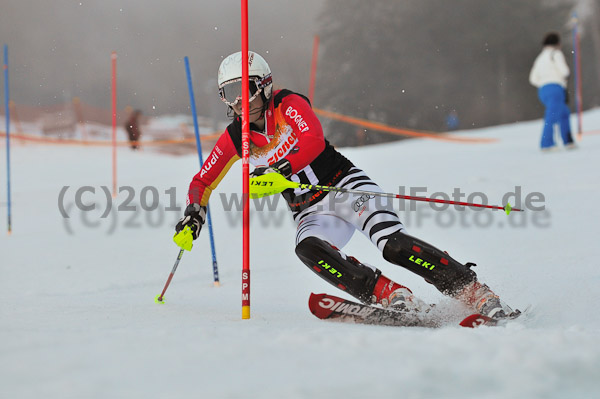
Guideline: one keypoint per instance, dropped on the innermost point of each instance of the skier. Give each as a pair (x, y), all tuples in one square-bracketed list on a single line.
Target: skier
[(549, 74), (286, 137)]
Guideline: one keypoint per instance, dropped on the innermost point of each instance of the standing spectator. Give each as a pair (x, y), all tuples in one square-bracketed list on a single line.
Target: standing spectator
[(549, 74), (132, 126)]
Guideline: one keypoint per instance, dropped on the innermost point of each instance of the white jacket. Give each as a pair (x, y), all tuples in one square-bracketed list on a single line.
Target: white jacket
[(549, 67)]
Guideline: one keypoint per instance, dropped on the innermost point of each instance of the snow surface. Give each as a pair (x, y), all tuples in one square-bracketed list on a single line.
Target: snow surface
[(79, 319)]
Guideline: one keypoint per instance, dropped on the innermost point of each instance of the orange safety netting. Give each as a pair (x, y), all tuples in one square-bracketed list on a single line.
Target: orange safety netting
[(51, 140), (60, 123), (401, 132), (78, 115)]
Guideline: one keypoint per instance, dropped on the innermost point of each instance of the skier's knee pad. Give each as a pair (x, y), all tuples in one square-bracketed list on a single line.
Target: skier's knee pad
[(446, 274), (344, 272)]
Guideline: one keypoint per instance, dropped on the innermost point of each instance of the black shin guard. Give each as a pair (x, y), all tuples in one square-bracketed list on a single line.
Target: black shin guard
[(435, 266), (344, 272)]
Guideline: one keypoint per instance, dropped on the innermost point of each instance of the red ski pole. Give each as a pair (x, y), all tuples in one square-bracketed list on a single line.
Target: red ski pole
[(274, 183), (159, 298)]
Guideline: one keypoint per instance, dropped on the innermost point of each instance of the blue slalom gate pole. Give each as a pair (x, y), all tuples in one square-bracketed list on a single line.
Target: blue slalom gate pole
[(7, 111), (199, 148)]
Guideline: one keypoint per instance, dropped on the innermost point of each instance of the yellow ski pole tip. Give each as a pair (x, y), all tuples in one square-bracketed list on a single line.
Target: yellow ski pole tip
[(160, 300)]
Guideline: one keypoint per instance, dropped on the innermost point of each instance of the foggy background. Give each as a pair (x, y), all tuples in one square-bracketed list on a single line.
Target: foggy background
[(404, 63), (60, 49)]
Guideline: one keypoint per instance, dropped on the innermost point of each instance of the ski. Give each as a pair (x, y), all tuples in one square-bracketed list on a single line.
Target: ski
[(333, 308), (476, 320), (329, 307)]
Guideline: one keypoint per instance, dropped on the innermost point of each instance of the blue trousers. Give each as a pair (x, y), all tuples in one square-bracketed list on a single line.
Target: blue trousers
[(557, 112)]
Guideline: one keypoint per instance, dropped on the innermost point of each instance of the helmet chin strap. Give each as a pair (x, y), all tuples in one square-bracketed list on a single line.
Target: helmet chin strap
[(261, 111), (266, 103)]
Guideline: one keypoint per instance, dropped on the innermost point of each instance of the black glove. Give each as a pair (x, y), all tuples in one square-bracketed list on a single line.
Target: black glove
[(194, 216), (283, 167)]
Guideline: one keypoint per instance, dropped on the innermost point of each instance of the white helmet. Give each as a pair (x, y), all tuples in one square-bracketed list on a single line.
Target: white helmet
[(230, 72)]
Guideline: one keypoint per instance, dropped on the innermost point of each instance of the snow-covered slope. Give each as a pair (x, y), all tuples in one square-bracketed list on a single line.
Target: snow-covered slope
[(79, 319)]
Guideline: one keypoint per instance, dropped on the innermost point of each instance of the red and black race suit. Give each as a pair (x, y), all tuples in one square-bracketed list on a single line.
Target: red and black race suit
[(292, 131)]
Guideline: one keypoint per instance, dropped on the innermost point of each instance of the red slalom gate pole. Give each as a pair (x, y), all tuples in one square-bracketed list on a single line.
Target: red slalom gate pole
[(577, 74), (578, 88), (113, 57), (313, 69), (245, 166)]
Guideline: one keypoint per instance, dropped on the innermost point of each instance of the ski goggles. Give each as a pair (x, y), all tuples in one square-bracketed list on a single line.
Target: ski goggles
[(231, 91)]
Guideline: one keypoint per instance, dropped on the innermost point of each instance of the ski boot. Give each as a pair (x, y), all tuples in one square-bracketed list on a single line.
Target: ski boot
[(392, 295), (484, 301)]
